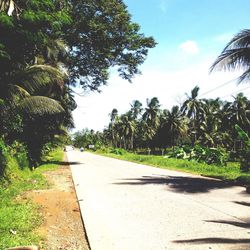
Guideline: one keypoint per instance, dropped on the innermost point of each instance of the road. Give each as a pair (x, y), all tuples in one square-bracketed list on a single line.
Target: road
[(128, 206)]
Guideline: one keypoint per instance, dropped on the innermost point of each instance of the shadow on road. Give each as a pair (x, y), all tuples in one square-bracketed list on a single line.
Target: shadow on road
[(179, 183), (214, 241), (233, 223), (62, 163), (243, 203)]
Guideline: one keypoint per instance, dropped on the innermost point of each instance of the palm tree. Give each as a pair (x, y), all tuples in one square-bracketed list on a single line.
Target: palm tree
[(113, 119), (176, 125), (236, 55), (126, 128), (210, 127), (136, 109), (193, 108), (241, 111), (151, 114)]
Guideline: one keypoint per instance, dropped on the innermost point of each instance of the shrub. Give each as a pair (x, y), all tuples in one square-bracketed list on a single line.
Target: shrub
[(19, 152), (3, 158), (201, 154), (244, 153), (117, 151)]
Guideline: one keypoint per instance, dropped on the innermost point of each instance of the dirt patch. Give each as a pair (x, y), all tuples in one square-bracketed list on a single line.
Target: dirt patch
[(62, 227)]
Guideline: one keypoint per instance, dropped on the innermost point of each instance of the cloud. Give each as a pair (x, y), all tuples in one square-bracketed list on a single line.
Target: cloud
[(190, 47)]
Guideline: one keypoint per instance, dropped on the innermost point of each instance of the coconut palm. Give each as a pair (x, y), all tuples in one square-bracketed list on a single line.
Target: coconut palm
[(236, 55), (136, 109), (176, 125), (241, 111), (113, 119), (193, 109), (151, 114)]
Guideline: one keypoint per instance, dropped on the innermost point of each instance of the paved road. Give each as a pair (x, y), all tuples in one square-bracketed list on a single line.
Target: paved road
[(128, 206)]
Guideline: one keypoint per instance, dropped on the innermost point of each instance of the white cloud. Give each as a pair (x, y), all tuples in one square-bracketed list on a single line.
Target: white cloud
[(190, 47)]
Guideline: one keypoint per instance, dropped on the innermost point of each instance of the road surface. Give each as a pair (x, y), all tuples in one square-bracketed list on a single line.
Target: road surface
[(128, 206)]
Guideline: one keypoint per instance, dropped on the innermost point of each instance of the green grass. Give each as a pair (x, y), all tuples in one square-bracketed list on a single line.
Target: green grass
[(231, 172), (19, 218)]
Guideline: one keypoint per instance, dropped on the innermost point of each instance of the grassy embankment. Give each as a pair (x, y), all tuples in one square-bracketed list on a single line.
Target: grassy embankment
[(230, 172), (19, 217)]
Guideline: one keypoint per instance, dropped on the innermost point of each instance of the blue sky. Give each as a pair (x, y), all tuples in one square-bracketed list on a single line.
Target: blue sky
[(190, 35)]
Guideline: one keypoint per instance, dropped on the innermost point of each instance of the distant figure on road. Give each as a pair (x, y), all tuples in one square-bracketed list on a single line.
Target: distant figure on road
[(81, 149)]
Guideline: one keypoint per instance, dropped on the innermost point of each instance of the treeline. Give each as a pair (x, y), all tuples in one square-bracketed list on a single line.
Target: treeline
[(48, 46), (209, 123)]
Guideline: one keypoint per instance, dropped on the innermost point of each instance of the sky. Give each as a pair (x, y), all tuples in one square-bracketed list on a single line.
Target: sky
[(190, 34)]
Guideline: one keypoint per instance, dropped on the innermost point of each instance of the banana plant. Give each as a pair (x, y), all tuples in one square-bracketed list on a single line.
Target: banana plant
[(245, 151)]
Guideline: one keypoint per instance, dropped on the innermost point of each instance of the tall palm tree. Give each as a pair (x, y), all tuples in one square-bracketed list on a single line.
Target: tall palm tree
[(193, 108), (127, 129), (176, 125), (136, 109), (152, 111), (236, 55), (113, 119), (241, 111)]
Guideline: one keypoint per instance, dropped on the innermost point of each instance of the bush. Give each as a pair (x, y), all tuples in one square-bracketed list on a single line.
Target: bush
[(3, 158), (117, 151), (201, 154), (19, 152)]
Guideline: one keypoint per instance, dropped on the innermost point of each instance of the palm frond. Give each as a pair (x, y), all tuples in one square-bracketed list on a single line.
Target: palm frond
[(40, 105), (37, 77), (236, 55), (241, 40), (232, 59), (16, 90)]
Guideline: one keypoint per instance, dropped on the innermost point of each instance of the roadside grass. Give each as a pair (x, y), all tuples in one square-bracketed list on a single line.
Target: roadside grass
[(19, 217), (230, 172)]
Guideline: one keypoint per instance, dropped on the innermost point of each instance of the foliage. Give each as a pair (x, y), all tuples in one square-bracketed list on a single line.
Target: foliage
[(200, 154), (206, 126), (3, 158), (20, 215), (46, 47), (235, 55), (117, 151), (102, 36), (87, 137), (245, 151)]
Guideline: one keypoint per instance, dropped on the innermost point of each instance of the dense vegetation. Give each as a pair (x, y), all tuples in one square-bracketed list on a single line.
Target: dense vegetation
[(46, 48), (20, 217), (205, 130)]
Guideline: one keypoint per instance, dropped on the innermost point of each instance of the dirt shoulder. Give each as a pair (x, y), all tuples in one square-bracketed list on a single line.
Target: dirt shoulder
[(62, 226)]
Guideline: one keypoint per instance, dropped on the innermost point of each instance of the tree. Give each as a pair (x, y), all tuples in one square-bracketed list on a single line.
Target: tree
[(150, 120), (101, 36), (113, 119), (240, 112), (236, 55), (192, 107), (176, 125), (136, 109), (127, 130)]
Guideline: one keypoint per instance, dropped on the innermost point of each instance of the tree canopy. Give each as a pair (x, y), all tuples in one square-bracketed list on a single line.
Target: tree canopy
[(48, 46)]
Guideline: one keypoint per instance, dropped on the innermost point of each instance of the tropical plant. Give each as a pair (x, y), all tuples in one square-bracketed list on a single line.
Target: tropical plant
[(193, 109), (245, 151), (236, 55)]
